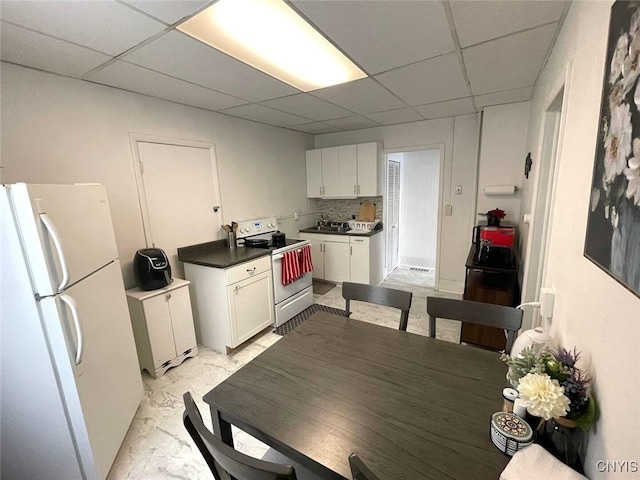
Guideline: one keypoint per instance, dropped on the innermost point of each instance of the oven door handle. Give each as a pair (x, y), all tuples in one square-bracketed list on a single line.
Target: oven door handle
[(280, 255)]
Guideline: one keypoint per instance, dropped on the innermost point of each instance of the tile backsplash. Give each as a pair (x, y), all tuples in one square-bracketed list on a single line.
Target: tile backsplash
[(343, 209)]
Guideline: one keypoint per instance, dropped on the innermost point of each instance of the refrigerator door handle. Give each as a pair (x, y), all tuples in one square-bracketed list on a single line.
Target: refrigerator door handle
[(55, 236), (71, 303)]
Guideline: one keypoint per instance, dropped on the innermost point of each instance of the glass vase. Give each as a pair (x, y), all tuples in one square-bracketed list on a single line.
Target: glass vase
[(563, 439)]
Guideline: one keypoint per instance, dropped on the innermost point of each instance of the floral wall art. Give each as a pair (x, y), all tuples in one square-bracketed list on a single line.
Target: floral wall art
[(613, 229)]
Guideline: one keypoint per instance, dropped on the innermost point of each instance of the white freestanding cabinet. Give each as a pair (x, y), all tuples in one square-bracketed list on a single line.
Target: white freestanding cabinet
[(345, 171), (231, 305), (163, 326)]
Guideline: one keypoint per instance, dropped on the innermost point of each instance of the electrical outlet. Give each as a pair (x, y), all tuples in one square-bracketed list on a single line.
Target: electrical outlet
[(547, 298), (458, 189)]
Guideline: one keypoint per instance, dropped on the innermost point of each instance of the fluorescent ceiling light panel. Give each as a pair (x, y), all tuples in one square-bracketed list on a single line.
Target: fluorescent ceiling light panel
[(270, 36)]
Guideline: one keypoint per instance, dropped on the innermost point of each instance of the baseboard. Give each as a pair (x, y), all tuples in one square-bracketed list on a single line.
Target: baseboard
[(451, 286)]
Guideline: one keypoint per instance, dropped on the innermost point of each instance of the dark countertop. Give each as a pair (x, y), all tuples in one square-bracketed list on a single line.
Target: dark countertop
[(217, 254), (348, 232)]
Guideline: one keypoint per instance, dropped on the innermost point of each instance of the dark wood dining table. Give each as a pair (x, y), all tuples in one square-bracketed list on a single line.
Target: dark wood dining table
[(411, 407)]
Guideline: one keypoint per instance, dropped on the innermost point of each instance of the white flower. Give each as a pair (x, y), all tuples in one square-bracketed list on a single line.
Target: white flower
[(617, 144), (634, 27), (631, 65), (633, 176), (622, 47), (543, 396)]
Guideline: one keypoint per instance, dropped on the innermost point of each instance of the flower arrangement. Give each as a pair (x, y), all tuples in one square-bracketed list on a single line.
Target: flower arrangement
[(552, 386)]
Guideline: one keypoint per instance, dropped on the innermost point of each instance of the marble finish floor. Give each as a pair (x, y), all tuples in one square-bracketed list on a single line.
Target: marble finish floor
[(157, 445)]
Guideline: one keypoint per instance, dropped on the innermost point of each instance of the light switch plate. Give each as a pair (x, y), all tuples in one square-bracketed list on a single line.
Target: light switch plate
[(448, 209)]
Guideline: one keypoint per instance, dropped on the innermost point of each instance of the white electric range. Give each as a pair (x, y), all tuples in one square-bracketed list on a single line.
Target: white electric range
[(290, 299)]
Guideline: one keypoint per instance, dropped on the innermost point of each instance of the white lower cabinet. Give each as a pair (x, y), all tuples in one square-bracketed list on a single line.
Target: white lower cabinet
[(231, 305), (344, 258), (163, 326), (330, 256)]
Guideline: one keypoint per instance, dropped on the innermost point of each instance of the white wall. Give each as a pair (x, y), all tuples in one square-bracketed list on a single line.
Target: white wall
[(502, 155), (419, 184), (458, 136), (592, 311), (60, 130)]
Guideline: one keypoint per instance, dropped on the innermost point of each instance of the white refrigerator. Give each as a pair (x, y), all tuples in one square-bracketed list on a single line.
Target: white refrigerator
[(70, 382)]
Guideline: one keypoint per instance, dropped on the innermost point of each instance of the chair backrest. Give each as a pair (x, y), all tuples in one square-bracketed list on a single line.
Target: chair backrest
[(488, 314), (223, 460), (359, 471), (389, 297)]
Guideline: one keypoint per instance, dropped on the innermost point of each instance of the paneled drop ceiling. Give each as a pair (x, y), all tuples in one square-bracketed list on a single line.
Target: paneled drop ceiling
[(424, 59)]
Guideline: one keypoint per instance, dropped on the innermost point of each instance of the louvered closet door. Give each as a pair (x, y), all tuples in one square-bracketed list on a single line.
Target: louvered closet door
[(393, 214)]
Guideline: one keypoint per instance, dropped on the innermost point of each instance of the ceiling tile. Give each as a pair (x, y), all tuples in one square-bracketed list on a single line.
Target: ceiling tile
[(352, 123), (481, 21), (404, 32), (391, 117), (362, 96), (307, 106), (451, 108), (138, 79), (506, 96), (439, 78), (106, 26), (183, 57), (509, 62), (315, 128), (24, 47), (169, 11), (263, 114)]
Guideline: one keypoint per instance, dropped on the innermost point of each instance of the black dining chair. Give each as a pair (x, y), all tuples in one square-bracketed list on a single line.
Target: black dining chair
[(224, 461), (388, 297), (359, 471), (480, 313)]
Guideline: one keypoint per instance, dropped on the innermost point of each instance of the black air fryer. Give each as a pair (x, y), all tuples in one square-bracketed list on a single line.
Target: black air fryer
[(151, 269)]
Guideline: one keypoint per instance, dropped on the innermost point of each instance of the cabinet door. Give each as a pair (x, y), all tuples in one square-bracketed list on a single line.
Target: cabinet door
[(368, 170), (251, 305), (336, 262), (360, 263), (184, 333), (331, 171), (317, 257), (348, 170), (158, 319), (314, 173)]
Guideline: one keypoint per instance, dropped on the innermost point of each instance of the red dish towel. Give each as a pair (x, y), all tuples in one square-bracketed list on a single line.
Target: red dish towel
[(306, 265), (290, 267)]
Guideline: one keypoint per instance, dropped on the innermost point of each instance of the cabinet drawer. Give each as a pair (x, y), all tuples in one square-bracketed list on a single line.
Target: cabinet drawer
[(248, 269), (359, 240)]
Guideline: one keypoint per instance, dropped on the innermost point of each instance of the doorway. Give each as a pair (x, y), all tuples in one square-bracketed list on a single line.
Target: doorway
[(411, 210), (178, 193)]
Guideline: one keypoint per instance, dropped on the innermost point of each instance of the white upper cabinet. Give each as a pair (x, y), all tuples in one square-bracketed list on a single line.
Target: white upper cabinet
[(346, 171), (370, 169), (314, 173)]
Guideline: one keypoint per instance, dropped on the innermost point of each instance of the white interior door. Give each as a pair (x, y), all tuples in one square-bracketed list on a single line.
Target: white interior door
[(180, 188), (393, 214)]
